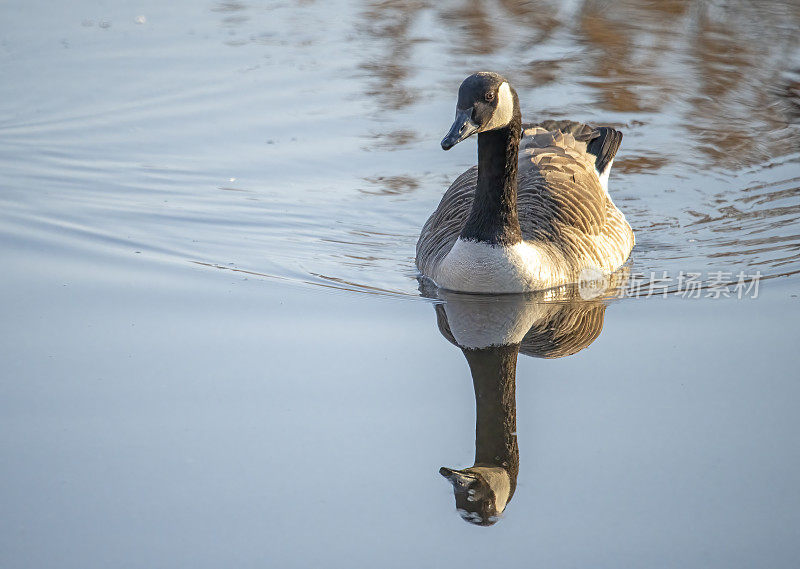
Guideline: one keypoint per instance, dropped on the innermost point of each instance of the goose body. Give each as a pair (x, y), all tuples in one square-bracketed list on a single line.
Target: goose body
[(535, 212)]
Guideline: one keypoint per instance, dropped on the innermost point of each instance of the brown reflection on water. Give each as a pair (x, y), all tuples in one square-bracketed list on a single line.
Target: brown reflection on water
[(477, 34), (710, 66), (228, 7), (719, 72), (391, 140), (390, 22), (638, 164), (540, 19), (716, 70), (391, 185), (622, 76), (738, 55)]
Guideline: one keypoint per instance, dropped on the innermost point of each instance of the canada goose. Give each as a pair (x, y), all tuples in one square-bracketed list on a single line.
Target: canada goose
[(529, 219), (491, 331)]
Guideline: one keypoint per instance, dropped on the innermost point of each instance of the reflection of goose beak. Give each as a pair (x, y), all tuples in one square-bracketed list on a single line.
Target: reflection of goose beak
[(479, 500), (457, 478)]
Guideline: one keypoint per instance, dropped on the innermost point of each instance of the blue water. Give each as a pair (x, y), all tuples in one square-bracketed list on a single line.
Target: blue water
[(215, 351)]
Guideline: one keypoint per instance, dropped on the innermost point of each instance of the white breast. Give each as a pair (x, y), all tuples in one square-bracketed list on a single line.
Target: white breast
[(474, 266)]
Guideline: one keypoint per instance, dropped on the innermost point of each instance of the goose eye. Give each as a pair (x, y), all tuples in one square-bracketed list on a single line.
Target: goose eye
[(489, 96)]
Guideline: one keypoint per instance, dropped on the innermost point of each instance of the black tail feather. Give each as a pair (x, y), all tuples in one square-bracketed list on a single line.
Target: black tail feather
[(604, 147)]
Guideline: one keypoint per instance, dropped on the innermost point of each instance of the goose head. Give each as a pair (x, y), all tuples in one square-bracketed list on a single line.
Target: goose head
[(486, 102), (481, 492)]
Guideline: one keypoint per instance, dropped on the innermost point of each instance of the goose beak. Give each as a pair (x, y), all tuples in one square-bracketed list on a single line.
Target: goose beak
[(462, 128)]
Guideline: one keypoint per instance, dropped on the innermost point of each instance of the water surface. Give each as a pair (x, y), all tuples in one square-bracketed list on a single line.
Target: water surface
[(215, 348)]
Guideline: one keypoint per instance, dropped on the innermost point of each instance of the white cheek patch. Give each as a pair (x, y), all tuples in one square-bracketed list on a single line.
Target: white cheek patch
[(504, 111)]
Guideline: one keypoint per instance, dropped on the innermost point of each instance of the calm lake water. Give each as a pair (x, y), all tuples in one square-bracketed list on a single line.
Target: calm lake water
[(215, 349)]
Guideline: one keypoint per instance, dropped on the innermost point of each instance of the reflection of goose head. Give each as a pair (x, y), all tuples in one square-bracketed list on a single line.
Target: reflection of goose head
[(491, 331), (481, 492)]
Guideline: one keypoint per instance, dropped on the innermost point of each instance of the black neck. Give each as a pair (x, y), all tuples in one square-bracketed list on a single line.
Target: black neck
[(493, 377), (493, 218)]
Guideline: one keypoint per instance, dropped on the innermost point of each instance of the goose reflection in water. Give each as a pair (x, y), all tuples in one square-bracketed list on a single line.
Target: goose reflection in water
[(491, 332)]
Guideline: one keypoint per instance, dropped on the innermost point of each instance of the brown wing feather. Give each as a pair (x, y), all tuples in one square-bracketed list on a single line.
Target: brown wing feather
[(441, 231), (557, 186)]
